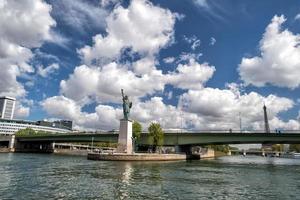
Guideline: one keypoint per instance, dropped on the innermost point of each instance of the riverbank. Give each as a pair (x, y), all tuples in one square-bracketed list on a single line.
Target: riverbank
[(6, 150), (71, 152)]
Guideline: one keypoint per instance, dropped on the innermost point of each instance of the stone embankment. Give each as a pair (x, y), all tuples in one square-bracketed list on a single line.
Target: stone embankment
[(6, 150), (136, 157), (72, 152)]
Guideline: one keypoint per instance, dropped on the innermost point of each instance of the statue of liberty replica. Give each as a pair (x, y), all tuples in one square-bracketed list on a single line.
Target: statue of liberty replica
[(126, 105), (125, 131)]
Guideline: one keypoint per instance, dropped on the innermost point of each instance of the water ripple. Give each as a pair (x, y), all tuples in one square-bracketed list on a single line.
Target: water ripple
[(40, 176)]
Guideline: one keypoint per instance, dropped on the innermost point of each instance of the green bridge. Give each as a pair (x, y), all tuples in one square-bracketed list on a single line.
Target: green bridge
[(174, 139)]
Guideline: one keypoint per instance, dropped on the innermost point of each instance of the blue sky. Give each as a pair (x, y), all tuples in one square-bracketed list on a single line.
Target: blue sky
[(191, 64)]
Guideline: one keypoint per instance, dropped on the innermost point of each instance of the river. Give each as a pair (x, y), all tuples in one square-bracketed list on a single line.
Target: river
[(46, 176)]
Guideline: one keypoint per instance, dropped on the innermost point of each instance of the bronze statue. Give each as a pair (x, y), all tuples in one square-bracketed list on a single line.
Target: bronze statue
[(126, 105)]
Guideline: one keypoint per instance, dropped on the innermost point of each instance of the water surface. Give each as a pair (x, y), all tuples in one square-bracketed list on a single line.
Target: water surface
[(45, 176)]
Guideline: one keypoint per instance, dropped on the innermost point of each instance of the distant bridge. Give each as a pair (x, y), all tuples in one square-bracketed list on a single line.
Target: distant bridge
[(174, 139)]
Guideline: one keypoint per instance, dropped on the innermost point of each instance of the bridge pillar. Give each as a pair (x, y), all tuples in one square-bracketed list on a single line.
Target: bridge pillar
[(229, 153), (53, 145), (11, 144), (177, 149)]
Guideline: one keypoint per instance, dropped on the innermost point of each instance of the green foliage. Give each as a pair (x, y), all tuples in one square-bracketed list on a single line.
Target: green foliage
[(295, 147), (277, 147), (156, 134), (98, 144), (222, 148), (136, 130), (31, 132), (25, 132)]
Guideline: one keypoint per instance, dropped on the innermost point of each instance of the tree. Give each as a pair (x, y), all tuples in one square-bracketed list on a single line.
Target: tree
[(222, 148), (277, 147), (156, 135), (25, 132), (136, 130), (294, 147)]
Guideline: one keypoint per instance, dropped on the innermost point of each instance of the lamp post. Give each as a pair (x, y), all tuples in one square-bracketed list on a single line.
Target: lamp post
[(92, 144), (133, 144), (240, 121)]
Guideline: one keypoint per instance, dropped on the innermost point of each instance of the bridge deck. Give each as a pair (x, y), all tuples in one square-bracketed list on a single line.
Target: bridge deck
[(171, 139)]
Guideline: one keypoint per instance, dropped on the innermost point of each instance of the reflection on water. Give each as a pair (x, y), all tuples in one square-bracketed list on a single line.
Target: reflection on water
[(39, 176), (123, 185)]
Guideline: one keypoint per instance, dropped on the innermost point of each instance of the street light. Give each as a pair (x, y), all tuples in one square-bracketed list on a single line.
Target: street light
[(133, 144), (240, 121), (92, 144)]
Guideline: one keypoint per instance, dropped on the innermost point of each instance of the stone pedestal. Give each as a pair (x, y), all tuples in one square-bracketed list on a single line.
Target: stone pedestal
[(125, 137)]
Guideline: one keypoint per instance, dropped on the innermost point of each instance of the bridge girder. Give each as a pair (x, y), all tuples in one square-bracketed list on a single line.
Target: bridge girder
[(173, 139)]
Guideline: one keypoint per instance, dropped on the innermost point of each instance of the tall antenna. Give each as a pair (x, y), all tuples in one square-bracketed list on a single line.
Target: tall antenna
[(267, 127), (240, 121)]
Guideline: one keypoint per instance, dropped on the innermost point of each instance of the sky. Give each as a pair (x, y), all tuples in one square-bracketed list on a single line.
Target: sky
[(186, 64)]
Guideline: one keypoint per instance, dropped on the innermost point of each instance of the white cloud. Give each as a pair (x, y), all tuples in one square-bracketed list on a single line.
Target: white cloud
[(83, 79), (214, 109), (184, 56), (104, 117), (129, 28), (169, 59), (206, 109), (107, 117), (201, 3), (297, 17), (79, 14), (220, 108), (169, 95), (46, 71), (213, 10), (38, 54), (24, 25), (191, 75), (193, 41), (62, 107), (21, 112), (288, 125), (279, 62), (105, 3), (212, 41), (104, 84), (103, 75), (155, 110), (145, 65)]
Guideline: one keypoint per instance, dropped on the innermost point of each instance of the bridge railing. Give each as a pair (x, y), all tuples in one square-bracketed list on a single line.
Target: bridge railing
[(231, 131)]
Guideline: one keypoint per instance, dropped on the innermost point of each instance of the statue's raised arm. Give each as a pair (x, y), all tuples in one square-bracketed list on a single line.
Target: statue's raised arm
[(122, 92), (126, 105)]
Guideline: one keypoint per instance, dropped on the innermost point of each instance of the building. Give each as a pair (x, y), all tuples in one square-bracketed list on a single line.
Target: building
[(64, 124), (10, 126), (7, 107)]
